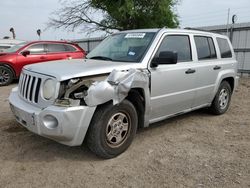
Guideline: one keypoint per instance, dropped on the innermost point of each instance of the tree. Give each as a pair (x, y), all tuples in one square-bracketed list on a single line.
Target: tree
[(109, 15)]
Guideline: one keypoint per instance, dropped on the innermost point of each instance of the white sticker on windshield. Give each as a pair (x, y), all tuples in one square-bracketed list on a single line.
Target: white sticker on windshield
[(135, 35), (131, 53)]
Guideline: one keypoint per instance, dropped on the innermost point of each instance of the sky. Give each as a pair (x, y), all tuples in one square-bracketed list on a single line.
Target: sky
[(29, 15)]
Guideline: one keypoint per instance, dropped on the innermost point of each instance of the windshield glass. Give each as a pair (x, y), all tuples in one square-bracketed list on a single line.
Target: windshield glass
[(15, 48), (128, 47)]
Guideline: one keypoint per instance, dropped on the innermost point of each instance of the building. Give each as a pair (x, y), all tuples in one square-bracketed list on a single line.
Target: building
[(88, 44), (239, 34)]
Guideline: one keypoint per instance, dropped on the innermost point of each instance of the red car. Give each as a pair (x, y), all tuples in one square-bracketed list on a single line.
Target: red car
[(13, 59)]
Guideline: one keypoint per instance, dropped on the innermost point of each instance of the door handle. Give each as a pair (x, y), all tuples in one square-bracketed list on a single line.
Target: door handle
[(190, 71), (217, 67), (69, 56), (42, 57)]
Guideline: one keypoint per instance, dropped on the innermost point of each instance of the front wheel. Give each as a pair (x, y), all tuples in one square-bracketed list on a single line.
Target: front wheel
[(6, 76), (112, 129), (222, 99)]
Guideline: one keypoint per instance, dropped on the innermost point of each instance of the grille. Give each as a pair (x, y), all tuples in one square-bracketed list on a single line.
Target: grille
[(29, 87)]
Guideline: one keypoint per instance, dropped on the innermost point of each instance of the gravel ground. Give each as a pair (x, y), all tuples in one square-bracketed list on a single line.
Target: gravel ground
[(192, 150)]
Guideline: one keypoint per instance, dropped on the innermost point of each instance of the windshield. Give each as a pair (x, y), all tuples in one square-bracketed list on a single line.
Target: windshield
[(128, 47), (15, 48)]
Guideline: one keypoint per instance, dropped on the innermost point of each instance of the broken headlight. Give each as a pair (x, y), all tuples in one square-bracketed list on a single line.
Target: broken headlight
[(76, 89)]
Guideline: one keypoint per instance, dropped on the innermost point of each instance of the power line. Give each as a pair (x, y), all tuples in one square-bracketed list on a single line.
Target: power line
[(218, 12)]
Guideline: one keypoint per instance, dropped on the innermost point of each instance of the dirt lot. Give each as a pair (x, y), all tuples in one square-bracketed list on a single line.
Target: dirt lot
[(192, 150)]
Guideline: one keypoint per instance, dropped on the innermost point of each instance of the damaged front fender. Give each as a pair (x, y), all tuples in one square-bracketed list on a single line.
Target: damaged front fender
[(116, 87)]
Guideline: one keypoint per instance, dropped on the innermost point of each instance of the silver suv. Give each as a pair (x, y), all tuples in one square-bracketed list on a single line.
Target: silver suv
[(132, 79)]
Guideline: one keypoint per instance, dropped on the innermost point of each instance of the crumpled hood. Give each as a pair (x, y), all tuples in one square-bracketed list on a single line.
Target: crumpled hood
[(67, 69)]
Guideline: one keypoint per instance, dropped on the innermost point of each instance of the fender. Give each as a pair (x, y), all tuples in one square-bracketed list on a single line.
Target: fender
[(116, 88), (147, 104), (229, 73)]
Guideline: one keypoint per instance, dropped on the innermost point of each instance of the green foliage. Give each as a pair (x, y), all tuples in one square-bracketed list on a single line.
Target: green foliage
[(117, 14), (134, 14)]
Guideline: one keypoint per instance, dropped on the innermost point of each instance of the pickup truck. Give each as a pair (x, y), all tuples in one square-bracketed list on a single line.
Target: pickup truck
[(130, 80)]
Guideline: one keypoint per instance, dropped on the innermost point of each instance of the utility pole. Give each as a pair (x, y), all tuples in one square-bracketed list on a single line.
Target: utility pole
[(13, 33), (39, 33), (228, 15)]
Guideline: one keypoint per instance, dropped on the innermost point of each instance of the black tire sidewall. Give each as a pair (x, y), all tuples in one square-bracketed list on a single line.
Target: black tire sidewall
[(215, 105), (98, 127), (10, 74)]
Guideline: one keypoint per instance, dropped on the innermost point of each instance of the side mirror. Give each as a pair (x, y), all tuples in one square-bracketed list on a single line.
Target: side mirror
[(25, 53), (165, 57)]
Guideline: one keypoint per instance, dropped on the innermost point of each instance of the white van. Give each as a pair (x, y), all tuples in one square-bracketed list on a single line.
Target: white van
[(7, 43)]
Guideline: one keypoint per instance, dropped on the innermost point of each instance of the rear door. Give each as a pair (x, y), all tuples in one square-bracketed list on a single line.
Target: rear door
[(56, 51), (172, 86), (208, 67)]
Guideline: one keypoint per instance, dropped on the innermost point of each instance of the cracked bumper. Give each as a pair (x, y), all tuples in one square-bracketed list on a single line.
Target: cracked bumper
[(66, 125)]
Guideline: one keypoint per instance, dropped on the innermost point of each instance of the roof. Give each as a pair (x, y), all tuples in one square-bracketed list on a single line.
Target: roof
[(48, 41)]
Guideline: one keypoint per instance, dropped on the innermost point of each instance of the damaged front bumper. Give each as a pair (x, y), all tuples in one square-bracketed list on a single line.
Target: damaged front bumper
[(66, 125)]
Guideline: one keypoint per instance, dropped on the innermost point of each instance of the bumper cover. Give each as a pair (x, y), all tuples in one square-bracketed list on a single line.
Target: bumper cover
[(66, 125)]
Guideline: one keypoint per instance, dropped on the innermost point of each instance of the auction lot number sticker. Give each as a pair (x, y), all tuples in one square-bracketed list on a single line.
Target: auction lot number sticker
[(135, 35)]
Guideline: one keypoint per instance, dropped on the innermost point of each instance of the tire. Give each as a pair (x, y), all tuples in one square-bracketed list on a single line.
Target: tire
[(112, 129), (6, 76), (222, 99)]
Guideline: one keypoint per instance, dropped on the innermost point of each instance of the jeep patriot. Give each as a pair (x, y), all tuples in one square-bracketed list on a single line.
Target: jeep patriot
[(130, 80)]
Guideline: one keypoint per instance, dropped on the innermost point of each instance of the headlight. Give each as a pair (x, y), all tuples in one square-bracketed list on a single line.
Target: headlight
[(49, 88)]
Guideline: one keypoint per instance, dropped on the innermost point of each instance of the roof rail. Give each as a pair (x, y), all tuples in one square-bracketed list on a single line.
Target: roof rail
[(191, 28), (196, 29)]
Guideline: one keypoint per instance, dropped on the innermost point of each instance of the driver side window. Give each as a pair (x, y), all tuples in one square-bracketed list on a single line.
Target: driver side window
[(179, 44), (36, 49)]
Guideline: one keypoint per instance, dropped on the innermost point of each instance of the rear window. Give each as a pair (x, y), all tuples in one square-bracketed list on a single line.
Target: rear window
[(205, 47), (224, 47), (70, 48), (56, 48)]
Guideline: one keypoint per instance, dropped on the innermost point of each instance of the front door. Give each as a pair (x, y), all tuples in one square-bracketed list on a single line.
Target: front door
[(173, 86), (37, 54)]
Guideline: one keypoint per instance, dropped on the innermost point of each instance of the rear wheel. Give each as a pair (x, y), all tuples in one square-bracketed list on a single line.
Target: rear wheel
[(6, 76), (112, 129), (222, 99)]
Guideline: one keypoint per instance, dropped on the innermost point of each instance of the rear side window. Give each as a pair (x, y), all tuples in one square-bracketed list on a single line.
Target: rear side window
[(179, 44), (205, 47), (36, 49), (70, 48), (56, 48), (224, 48)]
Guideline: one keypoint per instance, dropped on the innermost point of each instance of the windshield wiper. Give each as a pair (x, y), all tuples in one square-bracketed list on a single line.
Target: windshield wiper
[(102, 58)]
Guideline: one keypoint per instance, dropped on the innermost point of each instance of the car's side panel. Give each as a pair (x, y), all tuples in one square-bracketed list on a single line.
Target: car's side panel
[(172, 90), (207, 74), (227, 73)]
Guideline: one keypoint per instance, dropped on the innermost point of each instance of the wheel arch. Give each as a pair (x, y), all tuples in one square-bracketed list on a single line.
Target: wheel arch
[(9, 67), (137, 97), (231, 81), (226, 75)]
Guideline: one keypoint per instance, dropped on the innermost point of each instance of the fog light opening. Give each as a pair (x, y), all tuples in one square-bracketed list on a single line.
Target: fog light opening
[(50, 122)]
